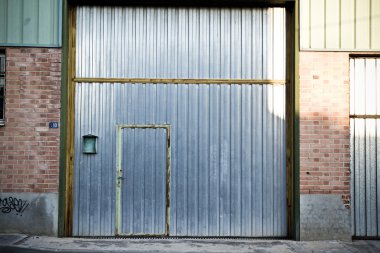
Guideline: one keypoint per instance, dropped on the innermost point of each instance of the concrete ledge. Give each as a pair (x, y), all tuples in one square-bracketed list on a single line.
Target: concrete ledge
[(39, 244), (29, 213), (324, 217)]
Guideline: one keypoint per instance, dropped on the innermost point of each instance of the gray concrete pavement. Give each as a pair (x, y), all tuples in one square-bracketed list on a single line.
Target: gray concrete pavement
[(12, 243)]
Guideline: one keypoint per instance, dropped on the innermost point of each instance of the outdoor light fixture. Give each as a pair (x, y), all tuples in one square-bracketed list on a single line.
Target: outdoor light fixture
[(89, 144)]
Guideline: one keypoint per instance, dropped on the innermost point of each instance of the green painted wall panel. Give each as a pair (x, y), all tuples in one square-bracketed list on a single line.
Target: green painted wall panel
[(3, 18), (56, 22), (30, 23), (14, 25), (45, 31)]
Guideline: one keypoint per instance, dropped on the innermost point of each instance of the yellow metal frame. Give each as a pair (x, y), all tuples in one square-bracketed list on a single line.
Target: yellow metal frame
[(179, 81), (69, 162), (119, 151), (365, 116)]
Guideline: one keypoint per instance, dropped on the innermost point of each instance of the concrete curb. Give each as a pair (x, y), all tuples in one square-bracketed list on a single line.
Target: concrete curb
[(17, 249), (18, 243)]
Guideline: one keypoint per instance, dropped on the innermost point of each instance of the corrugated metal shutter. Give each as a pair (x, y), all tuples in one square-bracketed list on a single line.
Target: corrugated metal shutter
[(365, 145), (180, 43), (227, 158)]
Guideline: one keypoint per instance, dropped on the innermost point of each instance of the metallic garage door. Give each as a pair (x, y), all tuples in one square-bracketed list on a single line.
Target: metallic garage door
[(365, 145), (227, 140)]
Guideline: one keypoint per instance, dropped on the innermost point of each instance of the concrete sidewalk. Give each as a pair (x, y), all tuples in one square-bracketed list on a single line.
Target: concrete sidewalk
[(10, 243)]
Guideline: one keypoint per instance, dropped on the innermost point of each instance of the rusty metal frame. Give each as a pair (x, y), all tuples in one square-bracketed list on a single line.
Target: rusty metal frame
[(119, 150)]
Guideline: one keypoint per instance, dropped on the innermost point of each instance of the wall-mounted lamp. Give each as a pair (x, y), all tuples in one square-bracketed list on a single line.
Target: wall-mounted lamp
[(89, 144)]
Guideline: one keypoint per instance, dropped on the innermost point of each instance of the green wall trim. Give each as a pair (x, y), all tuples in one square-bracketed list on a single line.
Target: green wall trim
[(62, 157), (296, 137)]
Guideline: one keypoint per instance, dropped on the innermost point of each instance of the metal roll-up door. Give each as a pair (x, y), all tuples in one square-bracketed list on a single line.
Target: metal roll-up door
[(190, 69), (365, 146)]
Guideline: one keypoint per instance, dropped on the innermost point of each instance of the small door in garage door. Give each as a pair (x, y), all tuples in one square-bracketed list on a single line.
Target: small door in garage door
[(142, 173)]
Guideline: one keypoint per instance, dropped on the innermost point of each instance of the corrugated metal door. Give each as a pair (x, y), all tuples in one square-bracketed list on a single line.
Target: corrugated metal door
[(228, 166), (365, 145), (142, 175)]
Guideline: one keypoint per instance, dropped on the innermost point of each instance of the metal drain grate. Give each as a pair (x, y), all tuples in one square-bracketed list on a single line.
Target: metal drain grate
[(141, 237)]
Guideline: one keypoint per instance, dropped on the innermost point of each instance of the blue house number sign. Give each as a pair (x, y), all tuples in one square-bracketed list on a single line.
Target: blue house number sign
[(53, 124)]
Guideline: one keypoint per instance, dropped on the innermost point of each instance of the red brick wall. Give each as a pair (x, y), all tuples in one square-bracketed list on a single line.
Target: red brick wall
[(324, 123), (29, 150)]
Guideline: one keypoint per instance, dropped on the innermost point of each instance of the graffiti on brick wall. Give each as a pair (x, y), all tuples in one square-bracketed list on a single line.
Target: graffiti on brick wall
[(13, 205)]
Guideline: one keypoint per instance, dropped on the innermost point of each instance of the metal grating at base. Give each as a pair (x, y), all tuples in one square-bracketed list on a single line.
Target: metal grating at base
[(358, 238), (141, 237)]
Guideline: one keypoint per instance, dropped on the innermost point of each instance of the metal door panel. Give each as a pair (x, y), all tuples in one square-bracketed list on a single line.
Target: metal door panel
[(228, 174), (160, 42), (365, 142), (142, 180)]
